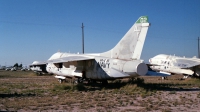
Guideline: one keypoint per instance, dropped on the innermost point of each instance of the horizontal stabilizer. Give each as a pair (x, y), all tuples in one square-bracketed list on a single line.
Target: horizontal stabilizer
[(38, 63)]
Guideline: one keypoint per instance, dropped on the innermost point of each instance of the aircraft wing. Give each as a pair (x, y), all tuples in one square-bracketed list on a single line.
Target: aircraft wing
[(71, 58), (185, 63), (38, 63)]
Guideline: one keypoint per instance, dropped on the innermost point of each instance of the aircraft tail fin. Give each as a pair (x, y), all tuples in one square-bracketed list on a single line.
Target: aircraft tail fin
[(131, 45)]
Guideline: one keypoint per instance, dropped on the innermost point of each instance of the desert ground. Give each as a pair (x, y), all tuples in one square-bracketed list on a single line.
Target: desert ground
[(26, 91)]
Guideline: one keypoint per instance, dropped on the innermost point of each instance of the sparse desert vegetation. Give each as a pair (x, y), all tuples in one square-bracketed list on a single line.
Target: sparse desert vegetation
[(25, 91)]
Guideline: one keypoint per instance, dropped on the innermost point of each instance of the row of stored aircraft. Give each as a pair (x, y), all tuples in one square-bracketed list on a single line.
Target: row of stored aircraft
[(122, 61), (12, 68)]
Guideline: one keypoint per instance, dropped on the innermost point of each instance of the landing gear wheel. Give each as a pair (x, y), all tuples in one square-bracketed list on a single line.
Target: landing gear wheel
[(163, 78), (75, 81), (60, 80), (185, 77), (80, 80)]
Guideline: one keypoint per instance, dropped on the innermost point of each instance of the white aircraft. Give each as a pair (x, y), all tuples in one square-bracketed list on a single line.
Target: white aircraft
[(175, 65), (38, 66), (122, 61), (8, 68)]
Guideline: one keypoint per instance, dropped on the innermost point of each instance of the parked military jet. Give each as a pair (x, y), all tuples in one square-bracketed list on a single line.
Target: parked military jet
[(120, 62), (175, 65), (8, 68), (38, 67)]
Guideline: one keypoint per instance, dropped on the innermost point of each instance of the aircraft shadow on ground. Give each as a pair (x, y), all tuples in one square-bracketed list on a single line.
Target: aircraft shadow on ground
[(140, 83), (166, 87), (15, 95)]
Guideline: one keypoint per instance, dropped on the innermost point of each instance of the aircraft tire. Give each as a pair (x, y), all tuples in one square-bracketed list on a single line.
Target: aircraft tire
[(60, 81)]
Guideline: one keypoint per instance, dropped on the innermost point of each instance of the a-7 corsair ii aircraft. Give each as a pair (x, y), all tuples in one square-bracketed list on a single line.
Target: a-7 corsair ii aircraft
[(175, 65), (120, 62), (38, 67)]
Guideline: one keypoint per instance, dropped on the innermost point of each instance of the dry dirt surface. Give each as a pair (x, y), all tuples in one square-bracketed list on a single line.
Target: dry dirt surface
[(25, 91)]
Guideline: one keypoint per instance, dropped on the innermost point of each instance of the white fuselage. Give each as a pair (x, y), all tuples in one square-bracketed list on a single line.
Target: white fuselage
[(98, 68), (173, 64), (36, 68), (63, 70)]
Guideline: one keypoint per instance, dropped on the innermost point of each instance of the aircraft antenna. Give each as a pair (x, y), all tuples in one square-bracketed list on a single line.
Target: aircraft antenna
[(82, 37)]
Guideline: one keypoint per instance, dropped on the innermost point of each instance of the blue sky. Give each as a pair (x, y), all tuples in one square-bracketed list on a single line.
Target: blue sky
[(35, 29)]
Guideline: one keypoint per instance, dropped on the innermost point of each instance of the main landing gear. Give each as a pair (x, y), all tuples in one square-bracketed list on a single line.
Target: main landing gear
[(185, 76), (78, 80), (103, 82), (61, 80), (82, 80)]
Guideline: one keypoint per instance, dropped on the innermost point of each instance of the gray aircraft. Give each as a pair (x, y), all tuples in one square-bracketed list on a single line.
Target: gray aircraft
[(122, 61)]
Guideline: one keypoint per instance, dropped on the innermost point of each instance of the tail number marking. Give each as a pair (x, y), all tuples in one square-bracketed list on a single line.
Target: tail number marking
[(104, 63)]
